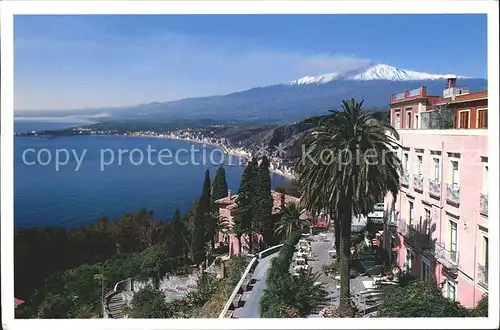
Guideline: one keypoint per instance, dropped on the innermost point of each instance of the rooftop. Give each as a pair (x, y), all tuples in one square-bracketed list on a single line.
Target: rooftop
[(230, 201)]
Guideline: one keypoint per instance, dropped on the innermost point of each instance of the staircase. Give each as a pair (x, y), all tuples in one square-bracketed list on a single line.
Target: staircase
[(115, 306)]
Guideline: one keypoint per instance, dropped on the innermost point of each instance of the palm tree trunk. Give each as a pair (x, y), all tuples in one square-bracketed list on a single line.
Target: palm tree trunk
[(345, 256), (336, 231)]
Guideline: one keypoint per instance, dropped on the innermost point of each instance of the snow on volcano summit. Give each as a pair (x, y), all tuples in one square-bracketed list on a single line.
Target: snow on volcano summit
[(373, 72)]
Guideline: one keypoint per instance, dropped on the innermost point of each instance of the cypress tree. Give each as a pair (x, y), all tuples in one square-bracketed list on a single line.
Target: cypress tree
[(201, 225), (176, 241), (243, 212), (263, 202), (219, 189)]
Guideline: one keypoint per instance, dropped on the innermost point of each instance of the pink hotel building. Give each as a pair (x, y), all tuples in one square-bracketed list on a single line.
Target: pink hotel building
[(438, 224)]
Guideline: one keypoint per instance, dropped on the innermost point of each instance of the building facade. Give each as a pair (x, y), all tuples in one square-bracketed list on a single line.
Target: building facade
[(438, 224), (227, 206)]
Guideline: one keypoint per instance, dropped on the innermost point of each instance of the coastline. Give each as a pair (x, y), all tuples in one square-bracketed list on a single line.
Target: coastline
[(230, 151), (227, 150)]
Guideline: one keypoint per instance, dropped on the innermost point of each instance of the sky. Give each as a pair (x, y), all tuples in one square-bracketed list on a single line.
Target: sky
[(83, 61)]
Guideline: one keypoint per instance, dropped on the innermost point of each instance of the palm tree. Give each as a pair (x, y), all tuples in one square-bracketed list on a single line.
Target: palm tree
[(290, 220), (349, 165), (300, 293)]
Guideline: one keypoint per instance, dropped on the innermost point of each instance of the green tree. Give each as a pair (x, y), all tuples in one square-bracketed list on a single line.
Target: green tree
[(348, 166), (263, 203), (177, 239), (219, 188), (481, 310), (55, 306), (189, 220), (154, 264), (243, 214), (149, 303), (202, 221), (290, 220), (300, 293), (420, 299)]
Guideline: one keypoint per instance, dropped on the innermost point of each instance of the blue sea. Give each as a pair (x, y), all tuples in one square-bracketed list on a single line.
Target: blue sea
[(92, 180)]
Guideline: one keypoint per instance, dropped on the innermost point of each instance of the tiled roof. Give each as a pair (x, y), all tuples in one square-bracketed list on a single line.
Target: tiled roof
[(277, 196)]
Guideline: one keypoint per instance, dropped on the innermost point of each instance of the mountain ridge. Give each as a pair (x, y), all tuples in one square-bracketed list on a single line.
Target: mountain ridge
[(285, 103)]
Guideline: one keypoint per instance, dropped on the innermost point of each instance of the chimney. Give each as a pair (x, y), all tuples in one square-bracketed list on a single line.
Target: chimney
[(452, 83), (229, 194), (423, 91), (282, 199)]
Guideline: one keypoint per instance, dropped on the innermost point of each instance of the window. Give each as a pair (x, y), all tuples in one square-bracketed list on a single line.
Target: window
[(454, 173), (451, 291), (398, 121), (482, 118), (485, 182), (411, 213), (393, 242), (416, 122), (408, 118), (436, 169), (419, 164), (409, 261), (485, 252), (453, 241), (427, 222), (405, 162), (426, 271), (463, 119), (393, 216)]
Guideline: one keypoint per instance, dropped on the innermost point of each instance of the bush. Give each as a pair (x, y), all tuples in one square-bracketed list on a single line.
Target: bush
[(419, 299), (481, 309), (285, 295), (220, 292), (405, 279), (149, 303)]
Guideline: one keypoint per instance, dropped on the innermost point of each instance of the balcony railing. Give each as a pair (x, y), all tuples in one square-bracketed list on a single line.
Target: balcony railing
[(405, 178), (399, 96), (435, 188), (414, 92), (482, 275), (447, 258), (453, 193), (418, 182), (443, 118), (483, 204), (415, 234)]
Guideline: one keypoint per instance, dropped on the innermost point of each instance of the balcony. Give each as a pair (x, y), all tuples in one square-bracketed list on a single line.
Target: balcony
[(405, 179), (409, 95), (482, 275), (415, 235), (483, 204), (418, 182), (453, 193), (441, 118), (447, 258), (435, 188)]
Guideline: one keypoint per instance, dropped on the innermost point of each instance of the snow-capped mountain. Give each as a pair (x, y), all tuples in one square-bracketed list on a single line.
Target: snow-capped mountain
[(372, 72), (305, 97)]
